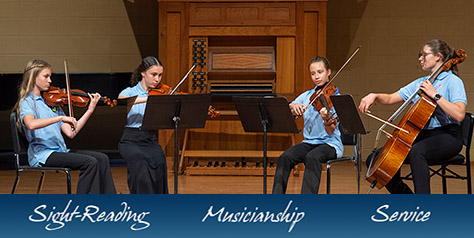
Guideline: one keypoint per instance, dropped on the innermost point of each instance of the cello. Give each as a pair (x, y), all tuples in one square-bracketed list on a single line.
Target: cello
[(399, 143)]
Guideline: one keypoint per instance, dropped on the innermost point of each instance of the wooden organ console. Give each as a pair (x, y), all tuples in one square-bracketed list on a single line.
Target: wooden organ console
[(240, 47)]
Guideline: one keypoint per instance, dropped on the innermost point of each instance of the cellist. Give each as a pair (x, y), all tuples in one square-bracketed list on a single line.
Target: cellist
[(440, 139), (322, 138)]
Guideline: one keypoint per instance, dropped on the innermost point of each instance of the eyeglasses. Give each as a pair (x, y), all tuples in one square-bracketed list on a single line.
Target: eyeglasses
[(424, 54)]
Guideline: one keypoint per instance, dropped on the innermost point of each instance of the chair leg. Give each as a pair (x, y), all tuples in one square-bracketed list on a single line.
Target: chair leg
[(328, 180), (468, 177), (40, 184), (17, 178), (443, 178), (358, 155), (68, 181), (358, 174)]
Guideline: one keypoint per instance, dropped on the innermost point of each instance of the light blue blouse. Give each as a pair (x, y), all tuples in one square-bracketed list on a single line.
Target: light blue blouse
[(314, 132), (135, 116), (46, 140), (449, 86)]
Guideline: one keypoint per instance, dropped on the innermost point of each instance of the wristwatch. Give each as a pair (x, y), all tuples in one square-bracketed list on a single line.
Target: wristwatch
[(437, 97)]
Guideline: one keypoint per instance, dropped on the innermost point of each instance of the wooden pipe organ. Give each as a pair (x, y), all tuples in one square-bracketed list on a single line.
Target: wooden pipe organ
[(241, 48)]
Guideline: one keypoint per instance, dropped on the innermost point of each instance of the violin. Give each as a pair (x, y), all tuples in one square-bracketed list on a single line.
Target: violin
[(323, 99), (328, 89), (164, 89), (59, 97)]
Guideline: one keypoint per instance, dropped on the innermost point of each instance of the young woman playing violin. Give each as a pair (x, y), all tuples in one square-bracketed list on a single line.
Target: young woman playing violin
[(43, 126), (146, 161), (440, 139), (322, 138)]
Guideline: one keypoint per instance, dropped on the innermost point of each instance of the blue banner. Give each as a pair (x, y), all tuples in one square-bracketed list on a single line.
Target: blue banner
[(236, 215)]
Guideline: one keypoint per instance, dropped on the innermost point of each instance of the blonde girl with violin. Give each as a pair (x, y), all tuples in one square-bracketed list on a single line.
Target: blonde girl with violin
[(322, 138), (441, 137), (146, 161), (43, 126)]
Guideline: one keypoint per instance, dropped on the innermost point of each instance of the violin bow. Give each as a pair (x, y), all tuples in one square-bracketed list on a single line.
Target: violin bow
[(68, 88), (335, 75), (182, 80)]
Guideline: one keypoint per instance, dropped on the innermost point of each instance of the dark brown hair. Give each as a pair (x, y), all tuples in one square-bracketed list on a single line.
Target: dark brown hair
[(147, 62), (446, 51), (325, 61)]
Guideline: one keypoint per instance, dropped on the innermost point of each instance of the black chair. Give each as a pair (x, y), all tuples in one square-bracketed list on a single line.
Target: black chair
[(20, 147), (459, 160), (347, 140)]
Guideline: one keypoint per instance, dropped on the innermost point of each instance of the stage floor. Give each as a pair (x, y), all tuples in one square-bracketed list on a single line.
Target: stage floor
[(343, 181)]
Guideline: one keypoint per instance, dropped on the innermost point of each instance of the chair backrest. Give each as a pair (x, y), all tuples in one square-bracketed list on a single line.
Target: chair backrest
[(467, 126), (20, 144)]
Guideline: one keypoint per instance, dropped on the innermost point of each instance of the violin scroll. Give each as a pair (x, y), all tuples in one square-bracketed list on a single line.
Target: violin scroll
[(111, 103), (212, 112)]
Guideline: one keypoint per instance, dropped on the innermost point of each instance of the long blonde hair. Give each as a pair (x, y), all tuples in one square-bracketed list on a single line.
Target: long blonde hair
[(32, 70)]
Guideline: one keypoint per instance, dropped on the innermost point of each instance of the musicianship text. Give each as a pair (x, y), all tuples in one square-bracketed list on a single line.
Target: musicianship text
[(256, 216)]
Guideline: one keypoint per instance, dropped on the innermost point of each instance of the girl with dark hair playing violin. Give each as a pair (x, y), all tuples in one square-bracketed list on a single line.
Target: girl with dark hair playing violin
[(322, 138), (43, 126), (146, 161), (440, 139)]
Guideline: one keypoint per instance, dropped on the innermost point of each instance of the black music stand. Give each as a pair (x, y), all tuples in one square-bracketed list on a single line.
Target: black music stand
[(351, 123), (127, 102), (348, 115), (173, 112), (265, 114)]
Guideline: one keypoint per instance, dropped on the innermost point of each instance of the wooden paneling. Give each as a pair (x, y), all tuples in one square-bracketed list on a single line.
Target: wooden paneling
[(248, 59), (310, 40), (231, 14), (173, 42), (243, 31), (285, 83)]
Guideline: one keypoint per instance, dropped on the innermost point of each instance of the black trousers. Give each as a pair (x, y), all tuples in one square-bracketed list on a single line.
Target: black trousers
[(431, 146), (94, 177), (146, 162), (312, 156)]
